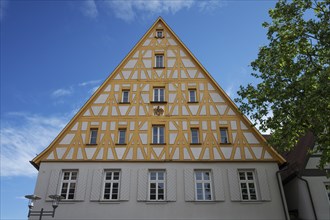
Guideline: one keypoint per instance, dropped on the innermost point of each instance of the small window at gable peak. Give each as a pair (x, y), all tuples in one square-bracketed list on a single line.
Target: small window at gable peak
[(159, 33)]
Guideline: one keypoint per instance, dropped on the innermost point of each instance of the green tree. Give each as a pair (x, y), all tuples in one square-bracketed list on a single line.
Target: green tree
[(293, 96)]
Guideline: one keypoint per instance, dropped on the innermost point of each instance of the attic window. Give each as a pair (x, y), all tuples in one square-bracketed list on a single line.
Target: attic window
[(159, 33)]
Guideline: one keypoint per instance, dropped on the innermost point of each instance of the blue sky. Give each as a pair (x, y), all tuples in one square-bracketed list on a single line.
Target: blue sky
[(54, 54)]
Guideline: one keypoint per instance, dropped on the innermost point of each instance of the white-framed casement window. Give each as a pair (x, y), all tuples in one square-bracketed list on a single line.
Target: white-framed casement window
[(159, 60), (194, 135), (93, 136), (159, 94), (203, 185), (111, 185), (156, 186), (125, 96), (247, 184), (158, 134), (159, 33), (68, 184), (327, 189), (122, 136), (224, 136), (192, 95)]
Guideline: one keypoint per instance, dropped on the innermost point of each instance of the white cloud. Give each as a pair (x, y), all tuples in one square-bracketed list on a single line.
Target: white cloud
[(130, 10), (22, 137), (91, 82), (62, 92), (89, 9), (210, 5)]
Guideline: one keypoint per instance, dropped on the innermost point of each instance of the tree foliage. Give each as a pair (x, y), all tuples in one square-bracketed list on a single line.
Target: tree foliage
[(293, 96)]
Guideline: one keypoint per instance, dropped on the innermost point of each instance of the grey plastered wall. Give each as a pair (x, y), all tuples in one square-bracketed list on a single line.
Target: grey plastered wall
[(319, 196), (179, 209), (297, 197)]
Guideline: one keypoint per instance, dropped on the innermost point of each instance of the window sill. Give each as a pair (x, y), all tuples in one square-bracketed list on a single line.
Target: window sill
[(156, 202), (161, 67), (195, 143), (204, 201), (193, 102), (109, 201), (91, 144), (157, 143), (159, 37), (156, 102), (225, 143), (251, 201), (69, 201), (124, 103), (121, 144)]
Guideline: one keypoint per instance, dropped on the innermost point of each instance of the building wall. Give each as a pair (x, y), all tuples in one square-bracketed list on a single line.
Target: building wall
[(228, 204), (319, 195), (297, 197)]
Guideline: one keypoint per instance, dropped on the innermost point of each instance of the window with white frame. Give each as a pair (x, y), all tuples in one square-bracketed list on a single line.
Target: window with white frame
[(158, 134), (122, 136), (111, 185), (156, 185), (327, 189), (203, 185), (125, 96), (93, 136), (224, 136), (159, 59), (68, 184), (247, 185), (159, 94), (194, 135), (192, 95)]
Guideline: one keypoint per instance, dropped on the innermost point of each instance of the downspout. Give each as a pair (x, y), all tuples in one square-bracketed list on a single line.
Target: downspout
[(310, 195), (280, 186)]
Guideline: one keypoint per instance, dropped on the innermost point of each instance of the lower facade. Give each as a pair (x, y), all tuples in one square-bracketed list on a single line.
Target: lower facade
[(163, 190)]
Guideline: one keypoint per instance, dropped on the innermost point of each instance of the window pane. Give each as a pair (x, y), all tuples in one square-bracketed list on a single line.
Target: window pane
[(249, 176), (66, 175), (224, 135), (206, 176), (125, 96), (241, 175), (161, 185), (160, 175), (161, 135), (73, 175), (161, 95), (153, 175), (192, 95), (93, 136), (116, 175), (156, 96), (122, 136), (198, 175), (194, 135), (155, 134), (108, 175)]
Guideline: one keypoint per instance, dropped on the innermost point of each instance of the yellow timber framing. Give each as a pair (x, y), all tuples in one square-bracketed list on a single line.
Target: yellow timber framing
[(146, 151)]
